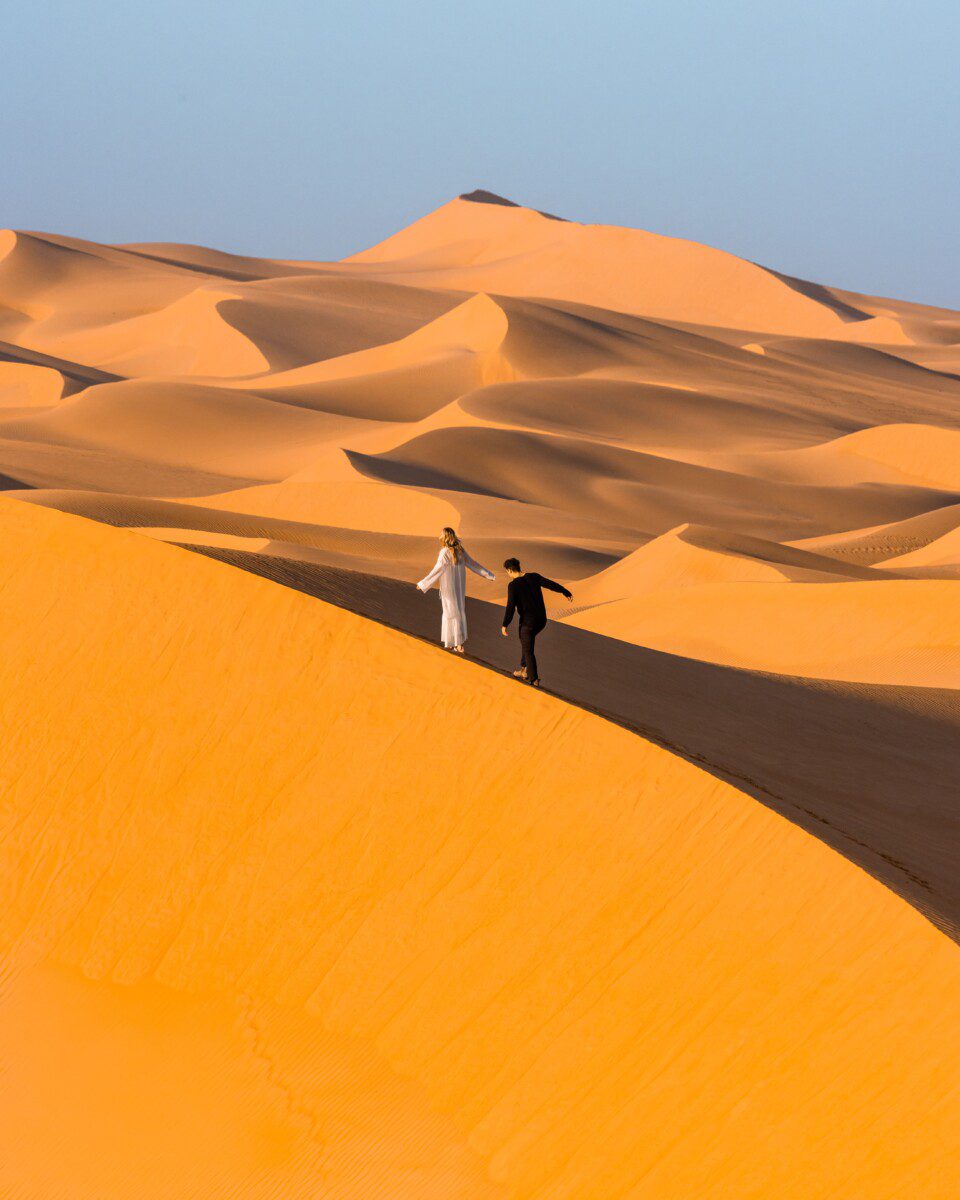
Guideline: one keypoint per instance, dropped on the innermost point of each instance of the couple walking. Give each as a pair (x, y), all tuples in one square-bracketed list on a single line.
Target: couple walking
[(524, 597)]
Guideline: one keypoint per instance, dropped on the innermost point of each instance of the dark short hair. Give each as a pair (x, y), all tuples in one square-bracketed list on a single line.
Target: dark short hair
[(512, 564)]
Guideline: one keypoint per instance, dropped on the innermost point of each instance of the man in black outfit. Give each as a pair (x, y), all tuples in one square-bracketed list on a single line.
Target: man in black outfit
[(525, 597)]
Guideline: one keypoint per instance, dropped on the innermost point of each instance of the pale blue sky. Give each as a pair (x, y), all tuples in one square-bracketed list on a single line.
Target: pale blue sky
[(820, 138)]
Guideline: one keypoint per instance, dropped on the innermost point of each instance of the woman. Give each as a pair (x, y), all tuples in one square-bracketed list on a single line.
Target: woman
[(450, 570)]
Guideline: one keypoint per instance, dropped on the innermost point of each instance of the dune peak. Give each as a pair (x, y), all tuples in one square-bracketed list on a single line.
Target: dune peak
[(482, 196)]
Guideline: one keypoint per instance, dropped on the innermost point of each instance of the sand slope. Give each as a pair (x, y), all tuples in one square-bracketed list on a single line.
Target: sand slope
[(582, 971)]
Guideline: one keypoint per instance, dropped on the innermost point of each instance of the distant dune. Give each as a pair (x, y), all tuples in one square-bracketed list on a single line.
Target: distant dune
[(297, 905)]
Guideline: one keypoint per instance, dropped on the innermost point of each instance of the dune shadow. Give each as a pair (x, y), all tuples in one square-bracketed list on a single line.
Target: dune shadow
[(482, 196), (820, 294), (406, 474), (76, 373), (9, 484)]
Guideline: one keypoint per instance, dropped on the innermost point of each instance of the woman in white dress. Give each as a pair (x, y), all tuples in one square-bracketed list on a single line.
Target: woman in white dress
[(450, 571)]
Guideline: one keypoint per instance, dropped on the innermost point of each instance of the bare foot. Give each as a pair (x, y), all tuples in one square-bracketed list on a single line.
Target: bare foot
[(534, 682), (520, 673), (458, 649)]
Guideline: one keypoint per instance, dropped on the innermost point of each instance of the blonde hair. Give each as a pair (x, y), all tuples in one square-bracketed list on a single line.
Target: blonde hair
[(451, 543)]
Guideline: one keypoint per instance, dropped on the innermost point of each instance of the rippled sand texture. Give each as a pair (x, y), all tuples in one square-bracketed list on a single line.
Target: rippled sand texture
[(294, 904)]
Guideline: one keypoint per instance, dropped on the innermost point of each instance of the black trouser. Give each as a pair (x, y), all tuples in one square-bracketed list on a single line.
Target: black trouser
[(528, 660)]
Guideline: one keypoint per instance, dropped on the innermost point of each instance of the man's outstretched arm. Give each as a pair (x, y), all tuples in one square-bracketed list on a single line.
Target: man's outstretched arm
[(555, 587)]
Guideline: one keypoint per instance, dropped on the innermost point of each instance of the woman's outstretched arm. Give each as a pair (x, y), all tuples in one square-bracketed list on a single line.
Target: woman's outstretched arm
[(429, 580), (476, 567)]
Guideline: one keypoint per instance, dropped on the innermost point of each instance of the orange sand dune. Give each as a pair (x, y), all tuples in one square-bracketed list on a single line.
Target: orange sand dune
[(356, 504), (294, 905), (405, 380), (768, 607), (188, 337), (370, 547), (480, 246), (904, 631), (211, 262), (915, 454), (75, 464), (307, 317), (943, 551), (192, 425), (239, 963), (143, 314), (52, 288), (645, 491), (879, 543), (691, 555)]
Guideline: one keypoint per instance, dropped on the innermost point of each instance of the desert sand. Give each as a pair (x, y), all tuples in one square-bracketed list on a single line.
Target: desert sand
[(297, 904)]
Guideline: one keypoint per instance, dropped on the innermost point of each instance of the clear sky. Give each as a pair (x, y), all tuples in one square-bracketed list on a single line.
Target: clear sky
[(819, 137)]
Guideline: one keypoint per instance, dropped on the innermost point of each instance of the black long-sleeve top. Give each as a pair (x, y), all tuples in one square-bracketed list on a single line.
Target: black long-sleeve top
[(525, 597)]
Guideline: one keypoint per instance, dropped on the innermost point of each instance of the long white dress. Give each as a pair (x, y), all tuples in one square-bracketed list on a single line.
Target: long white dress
[(452, 578)]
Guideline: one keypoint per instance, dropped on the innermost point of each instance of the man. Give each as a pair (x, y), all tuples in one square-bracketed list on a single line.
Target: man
[(525, 597)]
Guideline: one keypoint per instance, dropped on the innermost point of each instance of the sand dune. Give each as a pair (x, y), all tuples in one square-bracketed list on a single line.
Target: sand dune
[(53, 288), (691, 555), (706, 594), (350, 504), (646, 491), (318, 962), (76, 376), (879, 543), (899, 631), (915, 454), (188, 337), (943, 551), (628, 412), (481, 246), (213, 429), (405, 380), (368, 544), (40, 464), (299, 319), (207, 261), (671, 935)]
